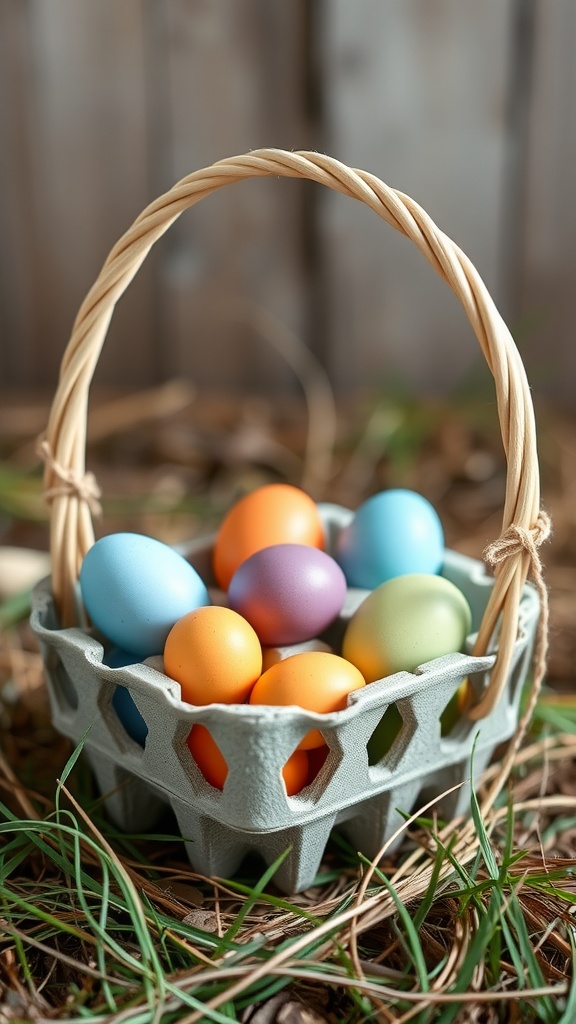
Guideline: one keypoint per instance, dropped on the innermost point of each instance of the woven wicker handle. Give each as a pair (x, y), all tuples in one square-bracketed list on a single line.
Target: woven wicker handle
[(68, 486)]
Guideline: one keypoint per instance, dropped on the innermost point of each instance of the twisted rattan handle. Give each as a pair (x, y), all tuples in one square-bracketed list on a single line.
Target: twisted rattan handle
[(72, 492)]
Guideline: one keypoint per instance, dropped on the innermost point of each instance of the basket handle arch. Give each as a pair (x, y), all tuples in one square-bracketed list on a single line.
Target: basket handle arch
[(70, 490)]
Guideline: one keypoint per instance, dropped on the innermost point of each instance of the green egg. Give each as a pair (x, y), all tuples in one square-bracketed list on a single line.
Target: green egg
[(406, 622)]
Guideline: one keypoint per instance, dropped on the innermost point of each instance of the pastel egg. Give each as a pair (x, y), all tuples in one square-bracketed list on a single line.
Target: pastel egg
[(314, 680), (207, 755), (391, 534), (288, 592), (129, 715), (406, 622), (273, 514), (295, 772), (135, 588), (123, 701), (214, 654)]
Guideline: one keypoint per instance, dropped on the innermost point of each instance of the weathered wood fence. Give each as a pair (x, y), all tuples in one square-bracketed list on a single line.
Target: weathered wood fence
[(469, 107)]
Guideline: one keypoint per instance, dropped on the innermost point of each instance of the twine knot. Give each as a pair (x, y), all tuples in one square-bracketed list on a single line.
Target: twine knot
[(516, 539), (83, 486)]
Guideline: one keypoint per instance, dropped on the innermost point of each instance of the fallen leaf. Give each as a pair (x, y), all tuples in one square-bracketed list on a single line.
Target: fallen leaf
[(206, 920)]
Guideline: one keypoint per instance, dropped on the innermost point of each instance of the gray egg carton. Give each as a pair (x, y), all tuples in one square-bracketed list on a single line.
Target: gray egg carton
[(253, 812)]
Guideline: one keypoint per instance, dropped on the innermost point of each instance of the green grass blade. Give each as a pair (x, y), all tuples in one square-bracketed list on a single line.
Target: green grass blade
[(528, 963), (33, 910), (483, 838), (410, 939), (11, 861), (569, 1014), (253, 896), (274, 901), (66, 771), (488, 923), (431, 892)]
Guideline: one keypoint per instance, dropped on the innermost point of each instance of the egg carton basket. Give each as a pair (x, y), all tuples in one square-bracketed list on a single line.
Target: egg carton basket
[(367, 800)]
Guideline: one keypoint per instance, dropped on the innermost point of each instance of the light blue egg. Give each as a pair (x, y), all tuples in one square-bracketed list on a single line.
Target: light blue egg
[(123, 701), (130, 717), (135, 588), (391, 534)]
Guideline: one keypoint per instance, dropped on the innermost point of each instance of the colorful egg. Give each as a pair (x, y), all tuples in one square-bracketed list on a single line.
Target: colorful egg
[(273, 514), (391, 534), (123, 701), (406, 622), (295, 772), (135, 588), (131, 719), (211, 762), (214, 654), (313, 680), (208, 756), (317, 757), (288, 592)]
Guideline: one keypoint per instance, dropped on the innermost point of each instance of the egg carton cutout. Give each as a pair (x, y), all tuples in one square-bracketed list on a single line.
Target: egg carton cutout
[(394, 746)]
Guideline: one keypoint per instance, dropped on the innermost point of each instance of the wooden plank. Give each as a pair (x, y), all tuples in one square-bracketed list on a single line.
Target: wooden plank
[(20, 280), (84, 160), (548, 271), (235, 82), (415, 92)]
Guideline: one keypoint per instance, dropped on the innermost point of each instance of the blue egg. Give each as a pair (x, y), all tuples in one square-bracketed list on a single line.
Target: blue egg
[(123, 701), (391, 534), (135, 588), (131, 719)]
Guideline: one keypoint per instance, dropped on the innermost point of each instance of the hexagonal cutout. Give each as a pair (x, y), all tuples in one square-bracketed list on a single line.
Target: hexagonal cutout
[(295, 772), (312, 740), (385, 734), (129, 716), (62, 685), (208, 756), (453, 713), (304, 765), (316, 760)]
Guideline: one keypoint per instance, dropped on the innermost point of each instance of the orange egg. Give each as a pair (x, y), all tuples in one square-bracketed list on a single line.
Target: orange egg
[(314, 680), (211, 762), (208, 756), (295, 772), (316, 761), (214, 654), (273, 514)]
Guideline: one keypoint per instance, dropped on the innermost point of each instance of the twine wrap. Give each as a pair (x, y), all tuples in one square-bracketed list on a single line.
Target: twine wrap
[(71, 491), (514, 544), (516, 540), (84, 488)]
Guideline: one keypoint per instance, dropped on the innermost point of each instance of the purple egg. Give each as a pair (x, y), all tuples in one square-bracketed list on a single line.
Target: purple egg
[(288, 593)]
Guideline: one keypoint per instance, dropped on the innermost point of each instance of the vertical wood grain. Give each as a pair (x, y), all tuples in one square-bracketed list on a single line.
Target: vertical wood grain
[(20, 263), (80, 111), (234, 82), (415, 91), (548, 274), (104, 105)]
